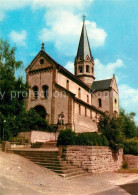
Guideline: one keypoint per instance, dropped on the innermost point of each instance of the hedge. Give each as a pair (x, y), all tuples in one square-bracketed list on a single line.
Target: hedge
[(68, 137), (131, 146)]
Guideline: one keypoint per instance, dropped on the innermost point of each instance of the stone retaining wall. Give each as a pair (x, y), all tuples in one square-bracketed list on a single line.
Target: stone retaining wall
[(131, 160), (95, 159), (38, 136)]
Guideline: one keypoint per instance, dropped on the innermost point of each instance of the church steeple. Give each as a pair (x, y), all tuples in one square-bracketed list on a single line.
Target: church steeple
[(84, 63), (84, 46)]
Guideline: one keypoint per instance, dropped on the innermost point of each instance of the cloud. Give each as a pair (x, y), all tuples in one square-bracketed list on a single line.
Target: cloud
[(128, 99), (9, 5), (16, 4), (18, 38), (70, 67), (108, 69), (65, 33)]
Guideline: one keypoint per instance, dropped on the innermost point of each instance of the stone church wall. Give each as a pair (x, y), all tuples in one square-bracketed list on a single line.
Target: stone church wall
[(95, 159), (73, 87), (40, 79), (84, 123)]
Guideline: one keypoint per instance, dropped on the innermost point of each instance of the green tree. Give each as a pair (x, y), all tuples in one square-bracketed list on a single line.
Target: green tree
[(130, 129), (11, 88), (112, 129)]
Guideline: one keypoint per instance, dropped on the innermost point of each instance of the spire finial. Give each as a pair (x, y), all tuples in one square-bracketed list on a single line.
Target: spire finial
[(43, 46), (83, 18)]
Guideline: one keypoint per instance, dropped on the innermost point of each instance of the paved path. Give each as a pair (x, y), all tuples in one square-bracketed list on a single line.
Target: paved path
[(19, 176), (126, 189)]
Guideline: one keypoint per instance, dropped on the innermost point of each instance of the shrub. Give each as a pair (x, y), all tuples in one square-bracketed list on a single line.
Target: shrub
[(125, 166), (67, 137), (19, 140), (131, 146), (82, 139)]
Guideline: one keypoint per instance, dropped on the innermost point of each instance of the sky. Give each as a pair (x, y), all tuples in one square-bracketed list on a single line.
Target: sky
[(112, 27)]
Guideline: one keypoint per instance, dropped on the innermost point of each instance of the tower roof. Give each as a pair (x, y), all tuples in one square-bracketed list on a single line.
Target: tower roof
[(84, 46)]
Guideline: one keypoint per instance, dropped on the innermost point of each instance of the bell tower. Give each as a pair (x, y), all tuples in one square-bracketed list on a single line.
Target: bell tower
[(84, 62)]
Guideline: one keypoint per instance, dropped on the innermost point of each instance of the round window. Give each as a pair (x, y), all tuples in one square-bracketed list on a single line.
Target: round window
[(41, 61)]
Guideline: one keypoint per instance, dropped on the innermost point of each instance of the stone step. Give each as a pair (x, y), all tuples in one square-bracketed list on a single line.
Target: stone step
[(73, 173), (55, 167), (77, 175), (45, 145), (50, 163), (66, 171), (42, 158), (51, 160)]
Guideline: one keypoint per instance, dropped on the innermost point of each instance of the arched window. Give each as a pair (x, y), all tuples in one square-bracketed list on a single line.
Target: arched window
[(67, 84), (115, 100), (35, 91), (79, 93), (80, 69), (100, 102), (87, 99), (45, 91), (87, 68), (79, 109)]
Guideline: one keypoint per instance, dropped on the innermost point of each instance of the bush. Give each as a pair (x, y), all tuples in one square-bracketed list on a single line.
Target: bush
[(19, 140), (67, 137), (125, 166), (131, 146)]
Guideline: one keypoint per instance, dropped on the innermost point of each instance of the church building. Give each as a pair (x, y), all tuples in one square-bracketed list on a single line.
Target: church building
[(76, 99)]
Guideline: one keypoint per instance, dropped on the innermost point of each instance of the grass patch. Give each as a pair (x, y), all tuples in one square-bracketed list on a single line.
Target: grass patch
[(128, 171)]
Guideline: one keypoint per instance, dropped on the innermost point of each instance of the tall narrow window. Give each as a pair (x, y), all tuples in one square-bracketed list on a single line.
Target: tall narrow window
[(79, 109), (85, 111), (35, 91), (87, 68), (100, 102), (91, 99), (87, 99), (67, 84), (80, 69), (92, 69), (45, 91), (90, 113), (79, 93)]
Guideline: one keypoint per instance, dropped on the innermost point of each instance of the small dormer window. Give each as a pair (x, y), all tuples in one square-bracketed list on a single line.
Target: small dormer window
[(41, 61)]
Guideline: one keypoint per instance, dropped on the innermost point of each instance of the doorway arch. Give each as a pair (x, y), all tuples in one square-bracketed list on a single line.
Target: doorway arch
[(41, 111)]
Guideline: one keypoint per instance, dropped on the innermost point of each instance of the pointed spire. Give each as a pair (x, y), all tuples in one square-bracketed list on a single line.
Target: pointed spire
[(43, 46), (84, 46)]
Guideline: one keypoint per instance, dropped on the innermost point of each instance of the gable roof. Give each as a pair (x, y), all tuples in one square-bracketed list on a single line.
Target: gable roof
[(60, 69), (101, 85)]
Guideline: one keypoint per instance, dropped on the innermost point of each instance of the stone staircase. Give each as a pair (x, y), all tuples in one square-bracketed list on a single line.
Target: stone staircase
[(52, 161), (51, 144)]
